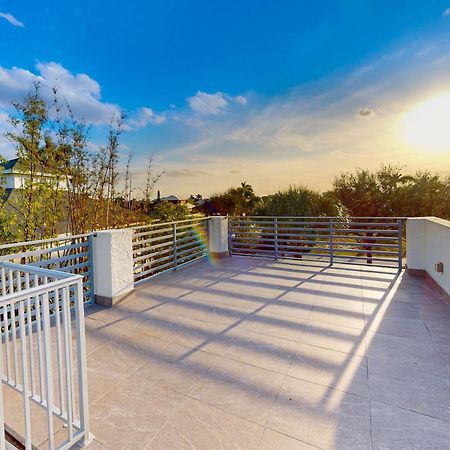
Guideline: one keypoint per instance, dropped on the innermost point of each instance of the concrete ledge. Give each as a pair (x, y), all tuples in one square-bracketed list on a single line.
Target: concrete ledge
[(112, 301), (218, 254), (434, 285)]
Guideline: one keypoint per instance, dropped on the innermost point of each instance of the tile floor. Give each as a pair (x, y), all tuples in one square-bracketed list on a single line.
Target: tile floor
[(256, 354)]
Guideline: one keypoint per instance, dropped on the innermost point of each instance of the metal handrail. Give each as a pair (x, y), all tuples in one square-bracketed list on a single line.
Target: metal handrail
[(31, 299), (338, 239), (156, 251)]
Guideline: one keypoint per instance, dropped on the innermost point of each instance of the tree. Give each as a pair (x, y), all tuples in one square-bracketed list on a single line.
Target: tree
[(299, 201), (169, 212), (128, 188), (37, 216), (235, 201), (7, 222), (152, 177), (374, 194)]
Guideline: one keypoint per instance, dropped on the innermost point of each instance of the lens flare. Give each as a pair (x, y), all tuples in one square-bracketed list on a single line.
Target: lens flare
[(427, 126), (201, 235)]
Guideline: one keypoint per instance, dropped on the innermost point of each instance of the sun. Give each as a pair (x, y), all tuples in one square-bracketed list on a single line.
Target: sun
[(427, 126)]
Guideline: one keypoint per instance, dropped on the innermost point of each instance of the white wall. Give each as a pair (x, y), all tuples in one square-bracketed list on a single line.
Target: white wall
[(218, 236), (113, 265), (427, 243)]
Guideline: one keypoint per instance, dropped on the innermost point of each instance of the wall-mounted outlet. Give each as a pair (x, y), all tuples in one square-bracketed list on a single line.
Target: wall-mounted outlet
[(439, 266)]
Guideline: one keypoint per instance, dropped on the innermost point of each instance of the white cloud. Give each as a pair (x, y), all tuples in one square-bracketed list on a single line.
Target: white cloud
[(446, 12), (81, 92), (183, 173), (12, 20), (205, 104), (208, 104), (142, 118), (241, 100)]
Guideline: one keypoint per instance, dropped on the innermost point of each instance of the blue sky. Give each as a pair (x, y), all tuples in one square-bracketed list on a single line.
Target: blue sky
[(271, 92)]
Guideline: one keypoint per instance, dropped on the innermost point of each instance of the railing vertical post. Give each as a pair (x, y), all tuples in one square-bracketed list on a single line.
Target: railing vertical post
[(49, 381), (275, 229), (331, 242), (229, 233), (25, 390), (2, 414), (400, 244), (91, 268), (174, 236), (81, 357)]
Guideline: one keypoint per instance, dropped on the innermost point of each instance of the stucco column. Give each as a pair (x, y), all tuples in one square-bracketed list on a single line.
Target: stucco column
[(113, 266), (218, 236), (416, 244)]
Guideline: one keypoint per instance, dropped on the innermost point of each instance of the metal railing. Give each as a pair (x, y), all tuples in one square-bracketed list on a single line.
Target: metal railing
[(353, 240), (71, 254), (163, 247), (43, 354)]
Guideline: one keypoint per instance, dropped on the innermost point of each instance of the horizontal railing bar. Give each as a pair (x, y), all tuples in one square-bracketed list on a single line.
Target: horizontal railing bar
[(323, 217), (194, 219), (163, 244), (154, 239), (365, 258), (19, 296), (59, 260), (44, 251), (153, 269), (190, 250), (154, 262), (45, 241), (280, 223), (192, 244), (35, 270), (151, 232), (152, 255)]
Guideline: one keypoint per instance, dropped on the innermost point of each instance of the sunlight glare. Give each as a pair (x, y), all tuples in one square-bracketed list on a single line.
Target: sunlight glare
[(427, 126)]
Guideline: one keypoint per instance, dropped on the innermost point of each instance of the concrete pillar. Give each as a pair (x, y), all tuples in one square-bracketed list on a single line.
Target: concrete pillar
[(113, 266), (218, 236), (416, 244)]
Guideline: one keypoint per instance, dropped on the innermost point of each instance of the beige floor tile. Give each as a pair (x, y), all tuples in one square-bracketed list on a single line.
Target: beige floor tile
[(331, 368), (335, 337), (272, 440), (321, 416), (129, 419), (199, 426), (241, 389), (267, 352)]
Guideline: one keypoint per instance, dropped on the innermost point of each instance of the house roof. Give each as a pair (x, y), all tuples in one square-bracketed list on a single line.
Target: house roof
[(170, 198), (8, 165)]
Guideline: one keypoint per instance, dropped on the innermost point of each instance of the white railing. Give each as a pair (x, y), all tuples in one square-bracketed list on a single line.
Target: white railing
[(71, 253), (43, 355), (351, 240), (161, 247)]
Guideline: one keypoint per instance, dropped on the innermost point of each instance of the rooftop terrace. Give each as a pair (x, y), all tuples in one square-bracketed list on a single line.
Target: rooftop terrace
[(324, 350), (253, 353)]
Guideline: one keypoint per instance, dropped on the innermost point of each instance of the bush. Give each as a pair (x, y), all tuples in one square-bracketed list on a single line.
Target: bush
[(299, 201), (169, 212)]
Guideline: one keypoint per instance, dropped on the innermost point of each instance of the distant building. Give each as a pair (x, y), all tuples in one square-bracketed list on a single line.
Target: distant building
[(172, 199), (12, 177)]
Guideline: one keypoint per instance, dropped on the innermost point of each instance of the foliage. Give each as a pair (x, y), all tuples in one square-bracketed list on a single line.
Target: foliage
[(299, 201), (38, 159), (235, 201), (7, 223), (169, 212), (67, 187), (389, 192)]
